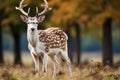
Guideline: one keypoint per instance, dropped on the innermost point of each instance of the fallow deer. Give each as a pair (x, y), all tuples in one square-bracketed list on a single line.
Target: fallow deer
[(49, 42)]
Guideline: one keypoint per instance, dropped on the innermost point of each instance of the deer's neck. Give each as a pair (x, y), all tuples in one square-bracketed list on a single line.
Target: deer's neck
[(32, 37)]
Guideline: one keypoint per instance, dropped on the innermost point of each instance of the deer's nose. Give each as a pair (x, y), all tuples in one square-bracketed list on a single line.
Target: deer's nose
[(32, 29)]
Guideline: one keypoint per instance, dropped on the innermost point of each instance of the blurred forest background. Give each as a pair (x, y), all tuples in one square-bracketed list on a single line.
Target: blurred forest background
[(93, 28)]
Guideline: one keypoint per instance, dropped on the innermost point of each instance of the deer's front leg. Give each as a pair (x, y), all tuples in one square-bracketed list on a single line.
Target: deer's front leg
[(45, 60), (36, 61)]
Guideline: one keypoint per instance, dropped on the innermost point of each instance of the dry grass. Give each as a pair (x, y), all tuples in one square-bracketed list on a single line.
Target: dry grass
[(10, 72), (86, 71)]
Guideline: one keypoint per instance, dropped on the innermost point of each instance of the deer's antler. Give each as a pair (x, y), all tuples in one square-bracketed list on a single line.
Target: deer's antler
[(21, 6), (46, 8)]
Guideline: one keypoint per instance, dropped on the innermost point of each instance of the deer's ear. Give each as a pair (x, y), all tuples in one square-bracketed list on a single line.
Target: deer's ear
[(41, 18), (24, 18)]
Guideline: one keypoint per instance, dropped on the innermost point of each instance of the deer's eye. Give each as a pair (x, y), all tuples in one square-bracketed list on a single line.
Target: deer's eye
[(36, 23)]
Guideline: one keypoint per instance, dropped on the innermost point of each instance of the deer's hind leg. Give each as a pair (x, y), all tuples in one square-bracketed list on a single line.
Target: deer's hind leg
[(55, 62), (64, 56)]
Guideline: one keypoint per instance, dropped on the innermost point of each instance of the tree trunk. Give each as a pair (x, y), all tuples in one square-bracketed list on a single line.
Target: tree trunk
[(17, 49), (16, 37), (70, 54), (77, 28), (107, 43), (1, 49)]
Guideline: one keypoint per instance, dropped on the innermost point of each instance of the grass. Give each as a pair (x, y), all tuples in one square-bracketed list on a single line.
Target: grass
[(10, 72), (86, 71)]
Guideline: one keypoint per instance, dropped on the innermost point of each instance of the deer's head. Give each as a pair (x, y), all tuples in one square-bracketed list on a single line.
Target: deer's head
[(32, 22)]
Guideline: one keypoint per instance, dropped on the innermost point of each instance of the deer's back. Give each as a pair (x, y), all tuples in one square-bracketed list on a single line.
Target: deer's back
[(53, 38)]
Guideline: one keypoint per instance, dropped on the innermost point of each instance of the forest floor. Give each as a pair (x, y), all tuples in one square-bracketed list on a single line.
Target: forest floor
[(87, 70)]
